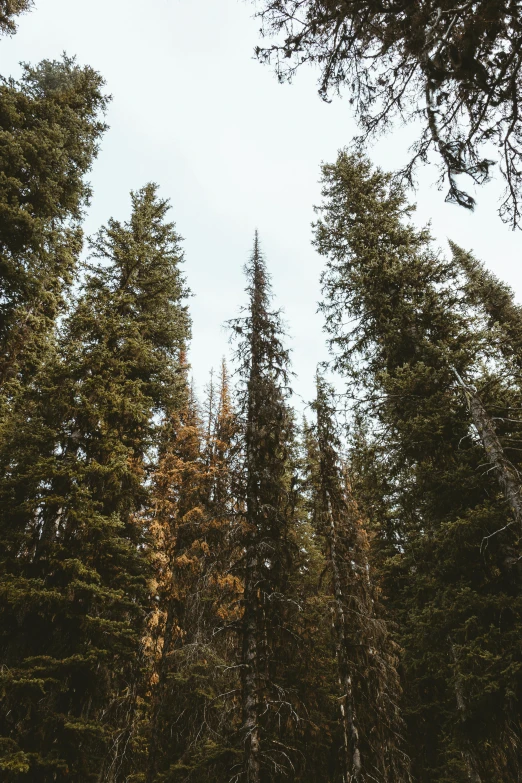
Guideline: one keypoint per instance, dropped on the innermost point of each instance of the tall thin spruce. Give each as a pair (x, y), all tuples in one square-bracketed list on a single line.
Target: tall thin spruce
[(263, 368), (369, 684)]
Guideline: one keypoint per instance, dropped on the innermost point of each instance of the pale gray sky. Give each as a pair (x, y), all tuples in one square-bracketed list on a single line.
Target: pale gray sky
[(233, 150)]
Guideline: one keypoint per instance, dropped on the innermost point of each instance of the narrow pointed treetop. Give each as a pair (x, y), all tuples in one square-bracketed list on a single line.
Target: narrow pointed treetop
[(494, 299), (260, 348)]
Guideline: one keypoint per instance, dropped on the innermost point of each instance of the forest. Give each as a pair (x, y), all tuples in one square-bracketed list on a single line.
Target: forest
[(218, 587)]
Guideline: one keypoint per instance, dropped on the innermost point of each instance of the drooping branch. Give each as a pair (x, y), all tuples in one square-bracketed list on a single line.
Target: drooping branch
[(453, 68)]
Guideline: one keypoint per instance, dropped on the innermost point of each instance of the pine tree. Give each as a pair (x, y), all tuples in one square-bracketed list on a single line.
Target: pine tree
[(73, 483), (400, 325), (366, 656), (268, 433), (495, 300)]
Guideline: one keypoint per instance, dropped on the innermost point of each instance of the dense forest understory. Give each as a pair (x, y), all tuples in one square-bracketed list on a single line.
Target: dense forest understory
[(214, 589)]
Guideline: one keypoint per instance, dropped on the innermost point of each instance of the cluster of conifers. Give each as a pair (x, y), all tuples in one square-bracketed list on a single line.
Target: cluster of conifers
[(218, 592)]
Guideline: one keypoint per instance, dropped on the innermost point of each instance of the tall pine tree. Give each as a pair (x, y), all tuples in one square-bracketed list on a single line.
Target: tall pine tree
[(400, 325), (73, 481), (268, 434)]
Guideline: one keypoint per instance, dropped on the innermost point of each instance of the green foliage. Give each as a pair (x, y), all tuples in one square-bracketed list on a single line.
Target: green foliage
[(449, 576), (367, 659), (75, 568), (202, 593), (50, 127)]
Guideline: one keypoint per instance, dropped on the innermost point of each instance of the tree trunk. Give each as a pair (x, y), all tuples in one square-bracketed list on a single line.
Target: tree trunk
[(160, 690), (467, 753), (508, 476), (350, 731), (249, 667)]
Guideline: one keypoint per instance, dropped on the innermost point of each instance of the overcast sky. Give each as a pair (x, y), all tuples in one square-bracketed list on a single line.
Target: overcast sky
[(233, 150)]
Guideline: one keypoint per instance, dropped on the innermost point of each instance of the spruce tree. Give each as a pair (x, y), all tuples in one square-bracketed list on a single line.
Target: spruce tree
[(73, 482), (400, 326), (268, 432), (51, 127), (366, 655), (495, 300)]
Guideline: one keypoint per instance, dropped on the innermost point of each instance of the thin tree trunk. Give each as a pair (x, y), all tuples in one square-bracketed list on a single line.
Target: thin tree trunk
[(160, 690), (249, 667), (51, 523), (350, 731), (467, 753), (508, 476)]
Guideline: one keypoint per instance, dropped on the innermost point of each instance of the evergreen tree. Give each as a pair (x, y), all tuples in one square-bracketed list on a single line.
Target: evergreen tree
[(73, 481), (194, 636), (268, 433), (504, 319), (309, 672), (400, 325), (495, 301), (50, 123), (366, 656)]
